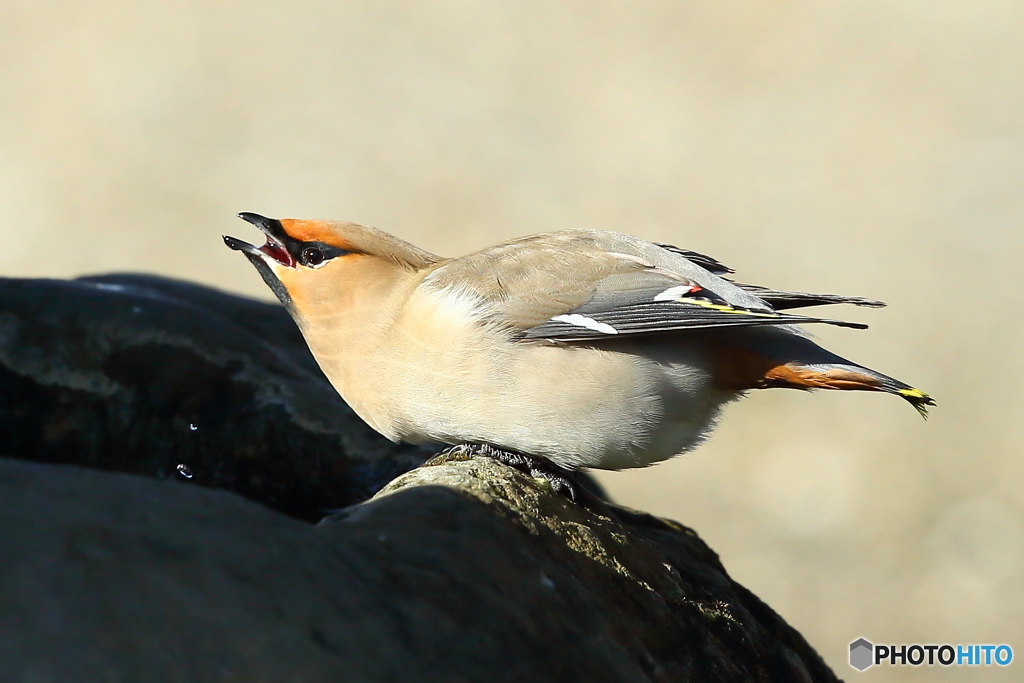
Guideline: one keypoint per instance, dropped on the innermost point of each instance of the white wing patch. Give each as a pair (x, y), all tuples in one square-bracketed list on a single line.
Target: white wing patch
[(583, 321), (674, 293), (679, 294)]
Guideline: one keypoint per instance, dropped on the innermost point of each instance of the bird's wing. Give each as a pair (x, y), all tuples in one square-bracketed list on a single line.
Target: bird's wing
[(585, 285), (778, 299)]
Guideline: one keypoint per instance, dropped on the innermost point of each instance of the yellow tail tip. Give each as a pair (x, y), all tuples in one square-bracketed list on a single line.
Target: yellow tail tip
[(918, 399)]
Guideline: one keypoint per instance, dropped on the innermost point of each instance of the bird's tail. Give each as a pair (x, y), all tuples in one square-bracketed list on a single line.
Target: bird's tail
[(844, 376), (769, 359)]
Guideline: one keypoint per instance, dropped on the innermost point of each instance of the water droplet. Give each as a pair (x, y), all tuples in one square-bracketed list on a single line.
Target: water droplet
[(184, 471), (192, 427)]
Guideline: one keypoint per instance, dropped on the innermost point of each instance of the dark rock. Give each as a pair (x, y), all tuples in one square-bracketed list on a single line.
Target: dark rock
[(140, 374), (160, 377), (463, 571)]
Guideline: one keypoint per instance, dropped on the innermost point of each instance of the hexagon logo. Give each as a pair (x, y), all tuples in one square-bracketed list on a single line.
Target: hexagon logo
[(862, 654)]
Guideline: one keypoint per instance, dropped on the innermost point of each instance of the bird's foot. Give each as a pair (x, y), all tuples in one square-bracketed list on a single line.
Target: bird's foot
[(562, 481), (459, 453)]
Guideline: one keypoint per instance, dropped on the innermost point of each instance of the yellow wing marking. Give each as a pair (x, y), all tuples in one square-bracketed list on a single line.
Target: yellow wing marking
[(725, 309)]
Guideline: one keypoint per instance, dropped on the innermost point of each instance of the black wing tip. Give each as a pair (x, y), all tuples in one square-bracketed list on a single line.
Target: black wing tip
[(843, 323), (851, 300), (780, 300), (801, 319)]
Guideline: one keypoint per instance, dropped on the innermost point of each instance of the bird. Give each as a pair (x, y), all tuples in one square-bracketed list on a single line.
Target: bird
[(585, 349)]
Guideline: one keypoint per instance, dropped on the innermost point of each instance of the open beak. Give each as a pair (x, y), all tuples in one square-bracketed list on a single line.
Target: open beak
[(274, 248)]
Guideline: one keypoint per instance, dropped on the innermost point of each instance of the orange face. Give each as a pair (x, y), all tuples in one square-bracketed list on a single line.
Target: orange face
[(293, 250), (319, 268), (324, 232)]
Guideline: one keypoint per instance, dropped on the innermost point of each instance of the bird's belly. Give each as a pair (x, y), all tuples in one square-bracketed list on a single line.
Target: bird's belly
[(441, 376), (579, 406)]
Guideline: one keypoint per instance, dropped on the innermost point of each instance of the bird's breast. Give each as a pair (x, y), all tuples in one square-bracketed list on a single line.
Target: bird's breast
[(443, 372)]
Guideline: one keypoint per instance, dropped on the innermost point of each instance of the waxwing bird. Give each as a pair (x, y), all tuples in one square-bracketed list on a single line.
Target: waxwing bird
[(587, 348)]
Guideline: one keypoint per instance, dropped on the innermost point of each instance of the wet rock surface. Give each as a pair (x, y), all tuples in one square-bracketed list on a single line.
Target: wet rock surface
[(464, 571), (460, 570), (141, 374)]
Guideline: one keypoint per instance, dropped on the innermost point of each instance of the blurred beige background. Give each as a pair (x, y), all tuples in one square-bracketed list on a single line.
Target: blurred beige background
[(861, 148)]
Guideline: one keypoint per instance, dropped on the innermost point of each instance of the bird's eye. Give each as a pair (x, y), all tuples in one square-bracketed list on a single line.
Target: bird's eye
[(313, 256)]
